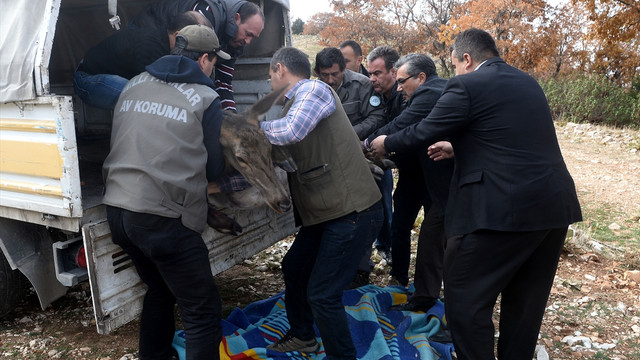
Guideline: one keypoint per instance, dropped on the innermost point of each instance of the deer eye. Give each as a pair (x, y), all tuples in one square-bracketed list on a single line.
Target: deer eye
[(242, 160)]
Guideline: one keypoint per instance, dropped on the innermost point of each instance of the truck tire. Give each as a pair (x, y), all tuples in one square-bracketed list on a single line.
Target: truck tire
[(11, 287)]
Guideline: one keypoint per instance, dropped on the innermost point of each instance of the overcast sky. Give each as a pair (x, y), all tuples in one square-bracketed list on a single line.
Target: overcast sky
[(304, 9)]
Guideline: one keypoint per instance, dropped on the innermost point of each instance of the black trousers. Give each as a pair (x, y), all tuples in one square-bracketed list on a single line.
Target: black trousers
[(174, 262), (429, 257), (409, 196), (518, 265)]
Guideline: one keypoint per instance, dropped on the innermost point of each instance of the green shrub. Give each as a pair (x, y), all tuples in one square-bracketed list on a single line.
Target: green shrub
[(592, 99)]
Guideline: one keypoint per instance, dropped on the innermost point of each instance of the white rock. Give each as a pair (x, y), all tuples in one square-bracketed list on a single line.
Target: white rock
[(614, 226), (25, 320), (578, 341), (636, 329), (589, 277), (52, 352), (262, 268), (541, 353), (622, 307)]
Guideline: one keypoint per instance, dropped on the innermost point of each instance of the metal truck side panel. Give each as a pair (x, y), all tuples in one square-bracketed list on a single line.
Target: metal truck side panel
[(39, 172)]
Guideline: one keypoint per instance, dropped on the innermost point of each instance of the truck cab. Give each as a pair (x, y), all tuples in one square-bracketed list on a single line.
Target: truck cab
[(53, 228)]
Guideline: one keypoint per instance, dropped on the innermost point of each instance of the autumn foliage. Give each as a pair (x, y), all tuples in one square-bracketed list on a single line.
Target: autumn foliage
[(600, 37)]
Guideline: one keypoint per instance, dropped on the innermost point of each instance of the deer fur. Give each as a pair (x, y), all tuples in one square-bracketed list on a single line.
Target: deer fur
[(246, 148)]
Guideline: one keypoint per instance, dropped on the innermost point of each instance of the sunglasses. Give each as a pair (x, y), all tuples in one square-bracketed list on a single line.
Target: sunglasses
[(402, 81)]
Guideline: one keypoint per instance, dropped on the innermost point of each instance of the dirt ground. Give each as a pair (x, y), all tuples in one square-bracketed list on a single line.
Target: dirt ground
[(593, 311)]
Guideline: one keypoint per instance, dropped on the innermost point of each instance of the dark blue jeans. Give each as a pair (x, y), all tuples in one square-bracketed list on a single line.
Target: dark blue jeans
[(383, 239), (383, 242), (317, 268), (101, 90), (174, 262)]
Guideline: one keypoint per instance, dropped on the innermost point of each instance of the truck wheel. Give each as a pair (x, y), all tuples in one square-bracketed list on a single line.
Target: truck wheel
[(11, 287)]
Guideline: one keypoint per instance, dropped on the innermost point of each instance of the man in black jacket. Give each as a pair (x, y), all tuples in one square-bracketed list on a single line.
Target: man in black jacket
[(418, 80), (236, 22), (352, 53), (107, 66), (410, 193), (510, 203)]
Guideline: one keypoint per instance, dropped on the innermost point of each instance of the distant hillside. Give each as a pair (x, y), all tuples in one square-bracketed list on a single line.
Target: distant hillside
[(308, 44)]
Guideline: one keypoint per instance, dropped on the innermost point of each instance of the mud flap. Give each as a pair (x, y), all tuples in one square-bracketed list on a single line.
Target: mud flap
[(116, 290)]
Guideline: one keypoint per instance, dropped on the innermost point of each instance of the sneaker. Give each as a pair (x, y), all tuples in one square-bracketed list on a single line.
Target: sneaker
[(291, 343), (361, 279)]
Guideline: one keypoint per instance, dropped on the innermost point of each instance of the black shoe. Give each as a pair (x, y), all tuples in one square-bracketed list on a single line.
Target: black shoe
[(414, 306), (386, 256), (290, 343), (443, 336), (361, 279)]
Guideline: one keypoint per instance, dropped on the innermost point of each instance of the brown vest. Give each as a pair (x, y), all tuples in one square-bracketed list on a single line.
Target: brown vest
[(333, 177)]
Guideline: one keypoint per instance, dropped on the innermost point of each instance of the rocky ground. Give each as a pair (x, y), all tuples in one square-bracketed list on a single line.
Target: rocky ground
[(593, 311)]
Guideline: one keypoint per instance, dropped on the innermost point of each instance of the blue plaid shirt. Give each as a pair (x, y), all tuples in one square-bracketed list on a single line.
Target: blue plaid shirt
[(314, 101)]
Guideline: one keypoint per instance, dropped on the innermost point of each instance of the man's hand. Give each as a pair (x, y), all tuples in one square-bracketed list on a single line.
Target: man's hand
[(440, 151), (377, 146)]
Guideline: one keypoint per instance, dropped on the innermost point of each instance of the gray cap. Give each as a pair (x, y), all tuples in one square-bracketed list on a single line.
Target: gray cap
[(201, 38)]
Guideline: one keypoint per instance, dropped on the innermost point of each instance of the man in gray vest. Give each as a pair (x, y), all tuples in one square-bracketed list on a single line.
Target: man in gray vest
[(366, 113), (335, 199), (164, 150)]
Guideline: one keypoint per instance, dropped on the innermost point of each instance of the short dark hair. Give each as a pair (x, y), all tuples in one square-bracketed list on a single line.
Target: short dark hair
[(357, 50), (187, 18), (387, 53), (329, 56), (295, 60), (180, 49), (247, 10), (479, 44), (417, 63)]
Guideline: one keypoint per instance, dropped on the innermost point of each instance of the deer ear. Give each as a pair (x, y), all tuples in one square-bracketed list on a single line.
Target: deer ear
[(263, 105)]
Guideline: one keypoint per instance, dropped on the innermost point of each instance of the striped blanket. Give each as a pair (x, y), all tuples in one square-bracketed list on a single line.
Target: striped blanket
[(377, 333)]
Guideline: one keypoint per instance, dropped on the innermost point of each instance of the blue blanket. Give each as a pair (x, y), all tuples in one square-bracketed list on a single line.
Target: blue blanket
[(377, 333)]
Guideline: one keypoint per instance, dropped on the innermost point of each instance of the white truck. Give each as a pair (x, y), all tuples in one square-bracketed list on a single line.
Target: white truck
[(53, 228)]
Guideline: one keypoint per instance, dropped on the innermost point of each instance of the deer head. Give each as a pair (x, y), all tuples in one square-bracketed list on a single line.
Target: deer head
[(247, 149)]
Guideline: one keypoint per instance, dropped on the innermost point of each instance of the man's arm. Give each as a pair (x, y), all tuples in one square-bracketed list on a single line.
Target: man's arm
[(211, 122), (449, 115), (420, 107), (224, 76), (314, 101)]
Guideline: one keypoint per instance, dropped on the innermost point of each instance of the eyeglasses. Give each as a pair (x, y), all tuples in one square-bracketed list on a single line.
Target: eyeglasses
[(402, 81)]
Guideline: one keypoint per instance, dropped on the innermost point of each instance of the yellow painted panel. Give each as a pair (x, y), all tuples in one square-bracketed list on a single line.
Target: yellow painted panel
[(30, 188), (42, 126), (30, 158)]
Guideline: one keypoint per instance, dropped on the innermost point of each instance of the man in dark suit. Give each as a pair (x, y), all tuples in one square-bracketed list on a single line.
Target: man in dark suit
[(510, 203), (418, 80)]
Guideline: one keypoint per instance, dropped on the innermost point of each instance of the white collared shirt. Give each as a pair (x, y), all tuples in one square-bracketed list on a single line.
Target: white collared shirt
[(480, 65)]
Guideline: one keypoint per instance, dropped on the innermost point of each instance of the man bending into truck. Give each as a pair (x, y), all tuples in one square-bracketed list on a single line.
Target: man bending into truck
[(108, 66), (164, 150), (236, 22)]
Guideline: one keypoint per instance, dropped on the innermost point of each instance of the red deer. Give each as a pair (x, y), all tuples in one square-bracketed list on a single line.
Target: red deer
[(247, 149)]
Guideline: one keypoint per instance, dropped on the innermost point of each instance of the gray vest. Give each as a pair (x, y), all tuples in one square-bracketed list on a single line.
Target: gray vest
[(157, 162), (333, 177)]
